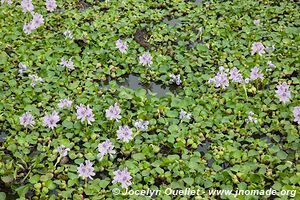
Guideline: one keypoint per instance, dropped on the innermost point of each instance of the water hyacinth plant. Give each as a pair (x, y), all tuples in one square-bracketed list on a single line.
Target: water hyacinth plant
[(146, 59), (124, 133), (104, 148), (283, 92), (62, 150), (27, 120), (86, 170), (102, 99), (123, 177), (85, 114), (113, 112), (51, 120), (51, 5), (65, 103), (141, 125)]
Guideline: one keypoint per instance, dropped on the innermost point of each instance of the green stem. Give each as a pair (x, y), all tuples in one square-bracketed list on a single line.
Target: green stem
[(58, 159), (54, 133), (111, 126), (30, 168), (85, 182), (245, 89)]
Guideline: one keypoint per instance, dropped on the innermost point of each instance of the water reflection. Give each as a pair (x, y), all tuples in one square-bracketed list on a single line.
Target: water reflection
[(132, 81)]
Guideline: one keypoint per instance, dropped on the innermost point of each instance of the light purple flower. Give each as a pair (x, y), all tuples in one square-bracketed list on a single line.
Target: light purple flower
[(70, 64), (283, 92), (51, 5), (256, 22), (27, 6), (258, 47), (35, 79), (296, 112), (68, 34), (121, 46), (122, 177), (175, 79), (50, 121), (28, 28), (62, 150), (27, 120), (113, 112), (255, 74), (85, 113), (142, 125), (146, 59), (87, 170), (271, 66), (65, 103), (124, 133), (105, 148), (235, 75), (22, 68), (251, 118), (67, 63), (220, 80), (184, 115), (37, 20), (63, 62)]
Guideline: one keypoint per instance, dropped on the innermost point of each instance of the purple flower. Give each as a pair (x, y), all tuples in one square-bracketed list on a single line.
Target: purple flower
[(27, 120), (235, 75), (296, 113), (87, 170), (220, 80), (124, 133), (113, 112), (51, 5), (68, 34), (121, 46), (122, 177), (27, 6), (283, 92), (251, 118), (175, 78), (271, 66), (50, 121), (22, 68), (184, 115), (146, 59), (35, 79), (142, 125), (63, 62), (105, 148), (67, 63), (62, 150), (256, 22), (70, 64), (37, 20), (85, 113), (255, 74), (65, 103), (28, 28), (258, 47)]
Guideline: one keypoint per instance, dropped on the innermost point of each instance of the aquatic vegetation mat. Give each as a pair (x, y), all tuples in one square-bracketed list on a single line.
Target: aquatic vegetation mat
[(149, 99)]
